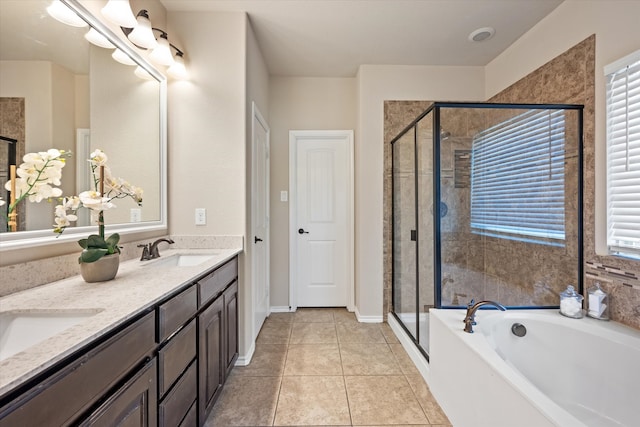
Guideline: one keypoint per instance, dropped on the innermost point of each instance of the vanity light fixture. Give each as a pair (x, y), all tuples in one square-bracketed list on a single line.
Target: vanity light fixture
[(98, 39), (60, 12), (122, 57), (119, 12), (162, 52), (178, 70), (142, 34)]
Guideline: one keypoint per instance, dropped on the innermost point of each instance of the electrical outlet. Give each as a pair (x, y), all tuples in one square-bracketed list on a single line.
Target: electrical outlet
[(284, 196), (135, 215), (201, 216)]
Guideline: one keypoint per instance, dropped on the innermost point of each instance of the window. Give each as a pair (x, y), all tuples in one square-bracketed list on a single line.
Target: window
[(517, 179), (623, 156)]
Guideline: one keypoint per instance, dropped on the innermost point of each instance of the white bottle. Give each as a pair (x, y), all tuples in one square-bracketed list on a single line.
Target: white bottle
[(598, 303)]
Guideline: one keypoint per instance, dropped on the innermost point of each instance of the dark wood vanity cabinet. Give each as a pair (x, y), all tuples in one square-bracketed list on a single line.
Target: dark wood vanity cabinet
[(217, 333), (165, 368), (211, 365), (133, 405)]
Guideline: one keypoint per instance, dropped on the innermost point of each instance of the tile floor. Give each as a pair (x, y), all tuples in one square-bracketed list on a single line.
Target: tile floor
[(321, 367)]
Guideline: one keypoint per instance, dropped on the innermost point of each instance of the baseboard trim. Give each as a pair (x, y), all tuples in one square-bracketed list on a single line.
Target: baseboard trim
[(246, 359), (416, 356), (368, 319), (281, 309)]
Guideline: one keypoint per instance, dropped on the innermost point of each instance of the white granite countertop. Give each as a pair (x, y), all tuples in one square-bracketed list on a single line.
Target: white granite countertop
[(138, 285)]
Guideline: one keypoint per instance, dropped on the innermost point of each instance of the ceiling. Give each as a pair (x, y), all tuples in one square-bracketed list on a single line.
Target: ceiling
[(331, 38)]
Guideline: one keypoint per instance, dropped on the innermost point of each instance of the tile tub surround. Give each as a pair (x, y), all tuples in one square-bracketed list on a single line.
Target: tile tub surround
[(336, 372), (138, 286), (26, 275)]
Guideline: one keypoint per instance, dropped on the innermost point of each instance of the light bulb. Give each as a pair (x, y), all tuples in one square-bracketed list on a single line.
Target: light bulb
[(98, 39), (162, 52), (119, 12), (142, 34), (178, 69), (123, 58), (62, 13)]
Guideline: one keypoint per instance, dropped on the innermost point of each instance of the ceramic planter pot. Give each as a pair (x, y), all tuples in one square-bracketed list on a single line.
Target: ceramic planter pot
[(101, 270)]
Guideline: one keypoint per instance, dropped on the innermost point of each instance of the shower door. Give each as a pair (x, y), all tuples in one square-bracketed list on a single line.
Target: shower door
[(405, 231)]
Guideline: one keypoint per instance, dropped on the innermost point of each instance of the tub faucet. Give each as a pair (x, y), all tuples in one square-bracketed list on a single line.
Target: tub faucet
[(153, 248), (469, 319)]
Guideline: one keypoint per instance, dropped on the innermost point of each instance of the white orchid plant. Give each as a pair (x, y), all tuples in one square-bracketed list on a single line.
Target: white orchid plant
[(38, 178), (106, 189)]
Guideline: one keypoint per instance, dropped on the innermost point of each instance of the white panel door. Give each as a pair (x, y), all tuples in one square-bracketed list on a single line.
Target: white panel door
[(322, 221), (260, 221)]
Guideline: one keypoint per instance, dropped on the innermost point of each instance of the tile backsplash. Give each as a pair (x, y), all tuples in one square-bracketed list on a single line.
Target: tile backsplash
[(27, 275)]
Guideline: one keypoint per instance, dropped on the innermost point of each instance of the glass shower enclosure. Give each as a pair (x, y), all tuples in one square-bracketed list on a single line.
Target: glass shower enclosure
[(486, 204)]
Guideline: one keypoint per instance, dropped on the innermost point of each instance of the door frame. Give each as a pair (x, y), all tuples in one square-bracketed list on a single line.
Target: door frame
[(294, 137), (256, 116)]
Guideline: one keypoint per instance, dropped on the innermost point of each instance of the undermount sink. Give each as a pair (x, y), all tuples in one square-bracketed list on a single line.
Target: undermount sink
[(184, 260), (20, 330)]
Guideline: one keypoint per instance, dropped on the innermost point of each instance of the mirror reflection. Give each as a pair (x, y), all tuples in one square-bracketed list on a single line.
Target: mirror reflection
[(59, 91)]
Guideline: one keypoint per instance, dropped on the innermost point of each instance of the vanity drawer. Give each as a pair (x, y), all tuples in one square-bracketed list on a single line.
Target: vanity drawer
[(212, 285), (176, 312), (180, 399), (176, 356)]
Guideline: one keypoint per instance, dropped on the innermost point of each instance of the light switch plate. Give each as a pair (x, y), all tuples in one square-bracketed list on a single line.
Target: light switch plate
[(284, 196), (201, 216), (135, 215)]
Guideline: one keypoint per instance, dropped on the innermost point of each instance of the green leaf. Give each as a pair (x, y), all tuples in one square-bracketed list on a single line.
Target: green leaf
[(83, 243), (95, 241), (112, 241), (92, 255)]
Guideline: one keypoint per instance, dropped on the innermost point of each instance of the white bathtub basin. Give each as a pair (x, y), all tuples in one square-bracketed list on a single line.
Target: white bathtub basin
[(20, 330), (183, 260)]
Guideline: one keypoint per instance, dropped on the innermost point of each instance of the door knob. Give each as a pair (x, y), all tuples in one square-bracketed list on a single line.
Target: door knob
[(301, 231), (256, 239)]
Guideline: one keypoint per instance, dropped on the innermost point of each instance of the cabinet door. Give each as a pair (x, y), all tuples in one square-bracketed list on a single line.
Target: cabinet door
[(211, 360), (231, 326), (133, 405)]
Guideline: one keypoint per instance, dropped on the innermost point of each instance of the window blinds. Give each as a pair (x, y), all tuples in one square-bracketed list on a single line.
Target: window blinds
[(517, 178), (623, 155)]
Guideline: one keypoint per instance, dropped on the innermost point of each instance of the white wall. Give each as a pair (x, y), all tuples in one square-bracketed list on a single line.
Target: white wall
[(377, 83), (616, 25), (207, 125), (299, 104)]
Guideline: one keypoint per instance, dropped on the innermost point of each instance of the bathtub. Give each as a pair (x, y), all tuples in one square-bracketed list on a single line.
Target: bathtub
[(562, 372)]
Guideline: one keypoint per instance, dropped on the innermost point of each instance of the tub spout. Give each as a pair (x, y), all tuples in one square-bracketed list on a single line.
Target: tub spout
[(469, 319)]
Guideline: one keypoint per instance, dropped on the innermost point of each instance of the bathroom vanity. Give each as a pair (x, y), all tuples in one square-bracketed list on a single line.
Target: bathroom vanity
[(161, 341)]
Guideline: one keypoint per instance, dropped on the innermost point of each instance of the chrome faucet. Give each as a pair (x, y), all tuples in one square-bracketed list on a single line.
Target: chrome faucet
[(470, 318), (153, 248)]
